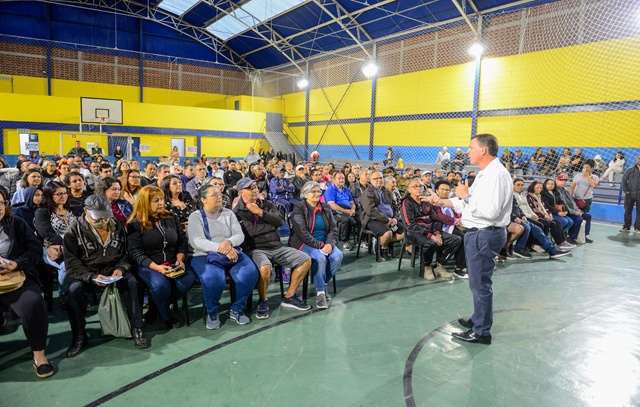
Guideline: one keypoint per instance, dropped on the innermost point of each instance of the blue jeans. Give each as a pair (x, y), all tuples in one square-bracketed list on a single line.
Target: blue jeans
[(565, 222), (328, 265), (578, 219), (575, 228), (481, 248), (165, 290), (534, 231), (244, 273)]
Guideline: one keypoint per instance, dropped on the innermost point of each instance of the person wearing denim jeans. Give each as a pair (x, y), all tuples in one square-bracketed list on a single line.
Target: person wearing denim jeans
[(157, 243), (215, 234), (315, 232), (244, 274)]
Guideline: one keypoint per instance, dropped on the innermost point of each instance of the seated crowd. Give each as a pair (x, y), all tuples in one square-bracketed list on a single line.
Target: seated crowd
[(159, 228)]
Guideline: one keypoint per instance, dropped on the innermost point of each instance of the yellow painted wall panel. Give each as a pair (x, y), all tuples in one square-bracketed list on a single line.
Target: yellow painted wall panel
[(593, 129), (356, 101), (6, 84), (423, 133), (29, 86), (294, 107), (335, 135), (255, 104), (181, 98), (448, 89), (596, 72), (76, 89), (227, 146)]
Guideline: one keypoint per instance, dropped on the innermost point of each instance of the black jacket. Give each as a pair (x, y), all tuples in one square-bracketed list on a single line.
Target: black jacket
[(85, 256), (25, 248), (148, 246), (263, 234), (303, 222), (420, 218)]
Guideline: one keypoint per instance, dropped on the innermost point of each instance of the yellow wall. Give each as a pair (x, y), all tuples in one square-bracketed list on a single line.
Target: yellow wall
[(456, 132), (447, 89), (224, 146), (255, 104), (356, 102), (182, 98), (597, 72), (593, 129), (358, 134)]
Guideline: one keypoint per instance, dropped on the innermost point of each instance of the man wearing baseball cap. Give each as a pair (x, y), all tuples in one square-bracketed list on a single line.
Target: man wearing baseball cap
[(260, 221), (299, 179), (95, 248)]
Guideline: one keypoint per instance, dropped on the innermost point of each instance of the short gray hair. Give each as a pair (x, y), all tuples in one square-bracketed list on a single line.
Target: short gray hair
[(308, 186), (388, 180)]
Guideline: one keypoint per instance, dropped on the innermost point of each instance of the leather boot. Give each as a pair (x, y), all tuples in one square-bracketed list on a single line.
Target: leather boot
[(139, 340), (79, 342)]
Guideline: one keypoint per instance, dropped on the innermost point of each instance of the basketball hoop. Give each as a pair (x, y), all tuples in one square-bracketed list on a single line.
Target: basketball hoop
[(103, 119)]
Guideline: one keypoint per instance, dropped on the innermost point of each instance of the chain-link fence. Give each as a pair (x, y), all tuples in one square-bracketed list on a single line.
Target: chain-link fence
[(552, 76)]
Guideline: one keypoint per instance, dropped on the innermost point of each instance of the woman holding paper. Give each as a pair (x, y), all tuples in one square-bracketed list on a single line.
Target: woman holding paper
[(158, 246)]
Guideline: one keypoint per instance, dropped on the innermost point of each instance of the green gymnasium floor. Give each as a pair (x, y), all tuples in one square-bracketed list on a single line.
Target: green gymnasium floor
[(566, 333)]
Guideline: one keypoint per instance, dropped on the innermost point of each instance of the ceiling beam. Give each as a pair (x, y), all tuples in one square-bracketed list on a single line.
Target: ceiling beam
[(326, 23), (254, 28), (142, 11), (464, 15), (343, 26)]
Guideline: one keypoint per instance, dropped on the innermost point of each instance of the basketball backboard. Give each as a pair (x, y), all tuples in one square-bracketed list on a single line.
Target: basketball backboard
[(100, 111)]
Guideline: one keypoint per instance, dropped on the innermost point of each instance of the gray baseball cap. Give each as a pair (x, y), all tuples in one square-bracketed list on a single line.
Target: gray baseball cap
[(98, 207)]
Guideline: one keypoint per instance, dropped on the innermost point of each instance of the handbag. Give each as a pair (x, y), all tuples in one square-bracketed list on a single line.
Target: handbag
[(113, 315), (217, 259), (580, 202), (11, 281)]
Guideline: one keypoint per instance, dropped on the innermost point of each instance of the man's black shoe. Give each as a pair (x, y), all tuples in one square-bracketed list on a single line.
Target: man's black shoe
[(79, 343), (572, 240), (587, 240), (466, 322), (139, 340), (472, 337)]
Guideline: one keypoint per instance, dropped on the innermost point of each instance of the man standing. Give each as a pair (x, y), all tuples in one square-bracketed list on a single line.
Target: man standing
[(486, 212), (631, 189)]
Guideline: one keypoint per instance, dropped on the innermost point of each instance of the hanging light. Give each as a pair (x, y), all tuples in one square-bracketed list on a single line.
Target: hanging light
[(370, 69), (476, 49), (302, 83)]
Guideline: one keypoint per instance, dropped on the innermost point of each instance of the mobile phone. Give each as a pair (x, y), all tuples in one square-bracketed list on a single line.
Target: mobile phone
[(175, 268), (464, 177)]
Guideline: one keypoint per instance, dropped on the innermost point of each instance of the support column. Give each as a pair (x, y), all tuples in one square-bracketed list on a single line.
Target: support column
[(306, 117), (141, 64), (48, 49), (374, 82), (476, 85)]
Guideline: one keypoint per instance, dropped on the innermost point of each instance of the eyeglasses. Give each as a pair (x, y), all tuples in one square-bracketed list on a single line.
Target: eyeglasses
[(114, 189), (60, 193), (135, 177), (315, 192), (216, 195), (5, 204), (253, 187)]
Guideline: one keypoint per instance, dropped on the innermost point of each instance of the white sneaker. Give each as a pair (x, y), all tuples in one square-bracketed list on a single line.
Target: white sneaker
[(567, 245)]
